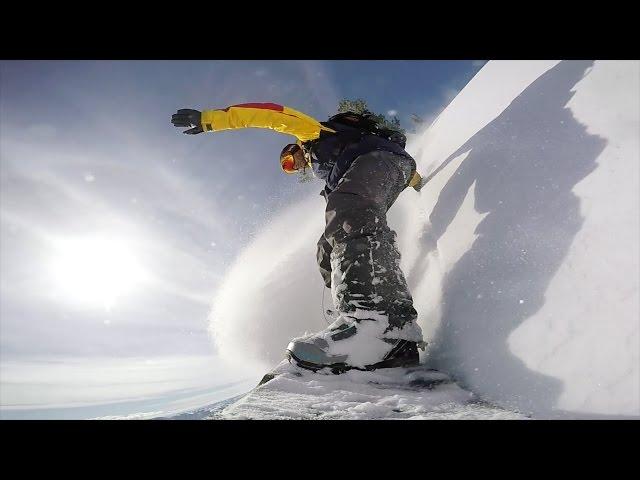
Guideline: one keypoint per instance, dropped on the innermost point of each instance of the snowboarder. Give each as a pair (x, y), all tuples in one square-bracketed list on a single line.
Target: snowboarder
[(365, 168)]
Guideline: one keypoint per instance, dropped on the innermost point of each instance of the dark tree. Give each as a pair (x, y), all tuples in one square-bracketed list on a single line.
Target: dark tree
[(360, 106)]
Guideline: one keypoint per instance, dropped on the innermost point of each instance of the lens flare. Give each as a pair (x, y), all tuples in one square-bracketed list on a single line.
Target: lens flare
[(94, 271)]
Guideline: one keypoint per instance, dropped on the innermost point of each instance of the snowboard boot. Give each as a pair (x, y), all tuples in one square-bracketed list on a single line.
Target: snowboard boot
[(361, 340)]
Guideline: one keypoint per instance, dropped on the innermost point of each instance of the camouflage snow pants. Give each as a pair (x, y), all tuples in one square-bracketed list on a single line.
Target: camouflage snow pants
[(357, 253)]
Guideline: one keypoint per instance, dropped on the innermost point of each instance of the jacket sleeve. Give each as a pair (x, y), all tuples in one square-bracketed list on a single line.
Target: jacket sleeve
[(263, 115)]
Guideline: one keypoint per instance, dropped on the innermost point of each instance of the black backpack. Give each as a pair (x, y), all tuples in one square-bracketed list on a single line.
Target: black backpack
[(364, 123)]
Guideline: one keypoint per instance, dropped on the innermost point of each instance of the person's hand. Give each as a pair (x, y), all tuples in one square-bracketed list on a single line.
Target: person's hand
[(187, 117), (423, 181)]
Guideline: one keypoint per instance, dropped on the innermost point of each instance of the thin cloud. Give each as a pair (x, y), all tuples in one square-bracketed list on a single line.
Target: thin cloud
[(76, 383), (320, 85)]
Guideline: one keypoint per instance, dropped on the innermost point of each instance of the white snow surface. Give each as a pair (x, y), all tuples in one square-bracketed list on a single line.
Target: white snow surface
[(521, 254), (388, 394)]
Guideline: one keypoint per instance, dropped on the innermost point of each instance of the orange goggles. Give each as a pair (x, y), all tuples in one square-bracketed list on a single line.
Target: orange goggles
[(286, 158)]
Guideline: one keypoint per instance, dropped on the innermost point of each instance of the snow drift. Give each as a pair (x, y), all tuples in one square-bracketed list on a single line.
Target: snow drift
[(521, 252)]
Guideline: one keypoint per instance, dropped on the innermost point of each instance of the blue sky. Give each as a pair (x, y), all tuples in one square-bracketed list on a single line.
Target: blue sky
[(95, 179)]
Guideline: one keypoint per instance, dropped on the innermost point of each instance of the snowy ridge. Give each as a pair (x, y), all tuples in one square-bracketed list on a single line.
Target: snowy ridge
[(521, 253)]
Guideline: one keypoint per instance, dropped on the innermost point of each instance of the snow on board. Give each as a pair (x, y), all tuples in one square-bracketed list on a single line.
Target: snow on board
[(417, 393)]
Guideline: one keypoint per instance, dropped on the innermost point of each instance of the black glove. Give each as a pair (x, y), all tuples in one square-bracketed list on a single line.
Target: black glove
[(187, 117)]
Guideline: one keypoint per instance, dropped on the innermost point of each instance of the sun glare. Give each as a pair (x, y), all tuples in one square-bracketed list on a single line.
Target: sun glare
[(94, 271)]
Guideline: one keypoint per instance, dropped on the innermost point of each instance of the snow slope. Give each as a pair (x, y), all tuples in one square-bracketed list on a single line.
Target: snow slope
[(521, 252)]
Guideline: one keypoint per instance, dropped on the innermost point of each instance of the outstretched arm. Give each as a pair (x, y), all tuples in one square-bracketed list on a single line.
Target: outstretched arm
[(251, 115)]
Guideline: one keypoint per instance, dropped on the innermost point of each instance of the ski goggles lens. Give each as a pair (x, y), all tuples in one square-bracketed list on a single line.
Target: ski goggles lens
[(288, 163), (286, 158)]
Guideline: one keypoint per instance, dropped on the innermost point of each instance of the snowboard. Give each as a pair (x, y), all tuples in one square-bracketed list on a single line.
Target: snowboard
[(418, 392), (415, 377)]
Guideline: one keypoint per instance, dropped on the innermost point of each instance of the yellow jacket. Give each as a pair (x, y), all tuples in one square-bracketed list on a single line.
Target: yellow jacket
[(263, 115), (269, 115)]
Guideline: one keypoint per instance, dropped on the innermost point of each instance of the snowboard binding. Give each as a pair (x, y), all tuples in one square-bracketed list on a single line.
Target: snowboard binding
[(403, 354)]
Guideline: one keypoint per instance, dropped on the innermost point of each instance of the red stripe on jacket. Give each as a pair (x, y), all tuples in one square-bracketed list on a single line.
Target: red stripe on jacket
[(264, 106)]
